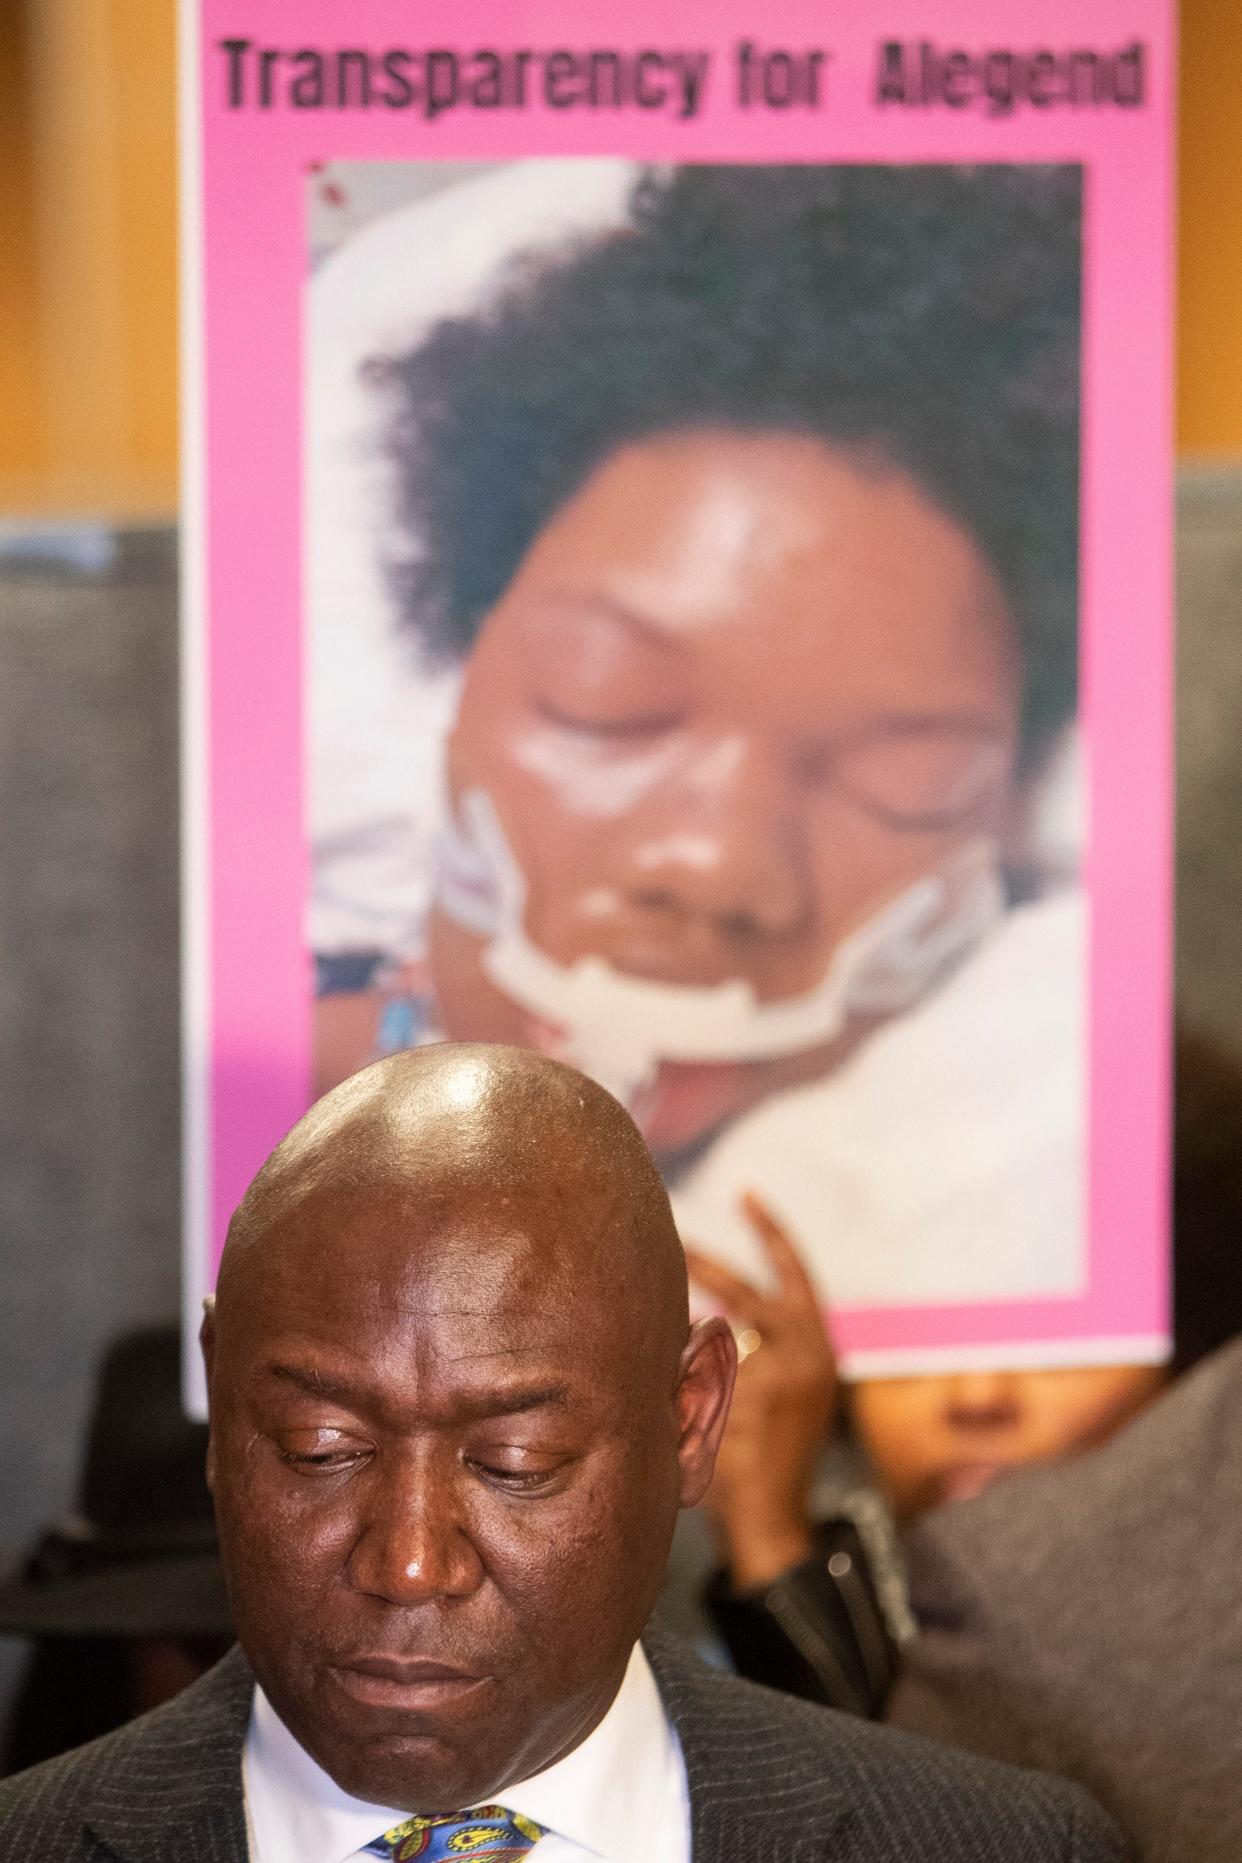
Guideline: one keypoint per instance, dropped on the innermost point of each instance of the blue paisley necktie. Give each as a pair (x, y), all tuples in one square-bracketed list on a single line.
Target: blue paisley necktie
[(488, 1834)]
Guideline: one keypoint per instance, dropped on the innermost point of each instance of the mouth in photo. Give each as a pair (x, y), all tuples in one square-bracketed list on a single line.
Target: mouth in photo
[(681, 1103), (687, 1099)]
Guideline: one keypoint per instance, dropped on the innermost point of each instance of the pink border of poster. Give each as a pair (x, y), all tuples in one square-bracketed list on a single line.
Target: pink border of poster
[(247, 987)]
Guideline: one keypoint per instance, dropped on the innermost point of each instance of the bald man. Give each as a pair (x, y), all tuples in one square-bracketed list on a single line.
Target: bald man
[(456, 1403)]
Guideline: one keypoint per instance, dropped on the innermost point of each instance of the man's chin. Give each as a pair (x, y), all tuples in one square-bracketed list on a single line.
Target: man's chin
[(411, 1769)]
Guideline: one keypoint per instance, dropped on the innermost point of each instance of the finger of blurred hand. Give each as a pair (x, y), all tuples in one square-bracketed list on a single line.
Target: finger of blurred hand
[(736, 1296), (778, 1245)]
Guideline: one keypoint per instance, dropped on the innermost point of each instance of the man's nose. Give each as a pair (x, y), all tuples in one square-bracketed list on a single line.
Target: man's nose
[(414, 1544), (728, 844)]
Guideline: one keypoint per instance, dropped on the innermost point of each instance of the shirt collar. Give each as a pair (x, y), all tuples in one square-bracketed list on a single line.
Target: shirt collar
[(608, 1795)]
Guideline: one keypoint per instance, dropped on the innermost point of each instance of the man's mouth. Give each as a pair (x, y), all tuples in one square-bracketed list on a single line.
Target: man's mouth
[(410, 1682)]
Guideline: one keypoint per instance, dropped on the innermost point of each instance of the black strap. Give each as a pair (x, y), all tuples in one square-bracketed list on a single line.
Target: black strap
[(817, 1631)]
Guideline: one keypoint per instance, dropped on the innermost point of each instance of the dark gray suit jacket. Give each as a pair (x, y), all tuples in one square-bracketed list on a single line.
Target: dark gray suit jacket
[(1086, 1617), (772, 1780)]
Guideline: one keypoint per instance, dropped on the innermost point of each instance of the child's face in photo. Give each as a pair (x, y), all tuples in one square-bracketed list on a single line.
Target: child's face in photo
[(937, 1439), (742, 691)]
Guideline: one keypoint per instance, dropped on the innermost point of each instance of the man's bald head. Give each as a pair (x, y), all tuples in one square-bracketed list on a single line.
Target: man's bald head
[(455, 1406), (434, 1126)]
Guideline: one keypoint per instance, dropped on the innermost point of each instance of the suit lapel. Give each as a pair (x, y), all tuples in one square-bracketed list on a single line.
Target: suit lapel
[(750, 1802), (175, 1792), (747, 1838)]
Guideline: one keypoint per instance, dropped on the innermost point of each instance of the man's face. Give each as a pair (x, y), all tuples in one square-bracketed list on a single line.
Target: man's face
[(740, 693), (445, 1487)]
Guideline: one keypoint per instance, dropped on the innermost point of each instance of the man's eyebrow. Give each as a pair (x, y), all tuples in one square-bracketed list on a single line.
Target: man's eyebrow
[(512, 1403), (495, 1403), (313, 1381)]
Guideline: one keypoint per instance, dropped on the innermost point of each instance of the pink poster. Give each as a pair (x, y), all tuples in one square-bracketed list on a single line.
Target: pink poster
[(677, 574)]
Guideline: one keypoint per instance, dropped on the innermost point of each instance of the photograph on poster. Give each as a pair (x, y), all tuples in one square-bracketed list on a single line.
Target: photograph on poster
[(691, 582)]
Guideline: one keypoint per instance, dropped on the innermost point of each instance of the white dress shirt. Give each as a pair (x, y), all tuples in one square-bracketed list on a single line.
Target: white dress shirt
[(620, 1796)]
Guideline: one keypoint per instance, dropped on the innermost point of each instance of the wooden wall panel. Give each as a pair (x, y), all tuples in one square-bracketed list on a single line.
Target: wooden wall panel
[(90, 234), (1209, 338), (87, 250)]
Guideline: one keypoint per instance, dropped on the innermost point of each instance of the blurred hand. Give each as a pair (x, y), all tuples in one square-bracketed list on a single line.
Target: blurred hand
[(784, 1407)]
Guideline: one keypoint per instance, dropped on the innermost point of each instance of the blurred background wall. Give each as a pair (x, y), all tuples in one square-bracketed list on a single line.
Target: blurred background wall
[(88, 666)]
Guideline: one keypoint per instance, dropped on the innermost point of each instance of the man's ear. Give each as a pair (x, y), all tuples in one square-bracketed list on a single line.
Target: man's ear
[(704, 1389), (207, 1345)]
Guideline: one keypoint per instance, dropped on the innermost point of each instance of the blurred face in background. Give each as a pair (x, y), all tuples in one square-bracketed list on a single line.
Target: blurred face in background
[(946, 1438), (742, 691)]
